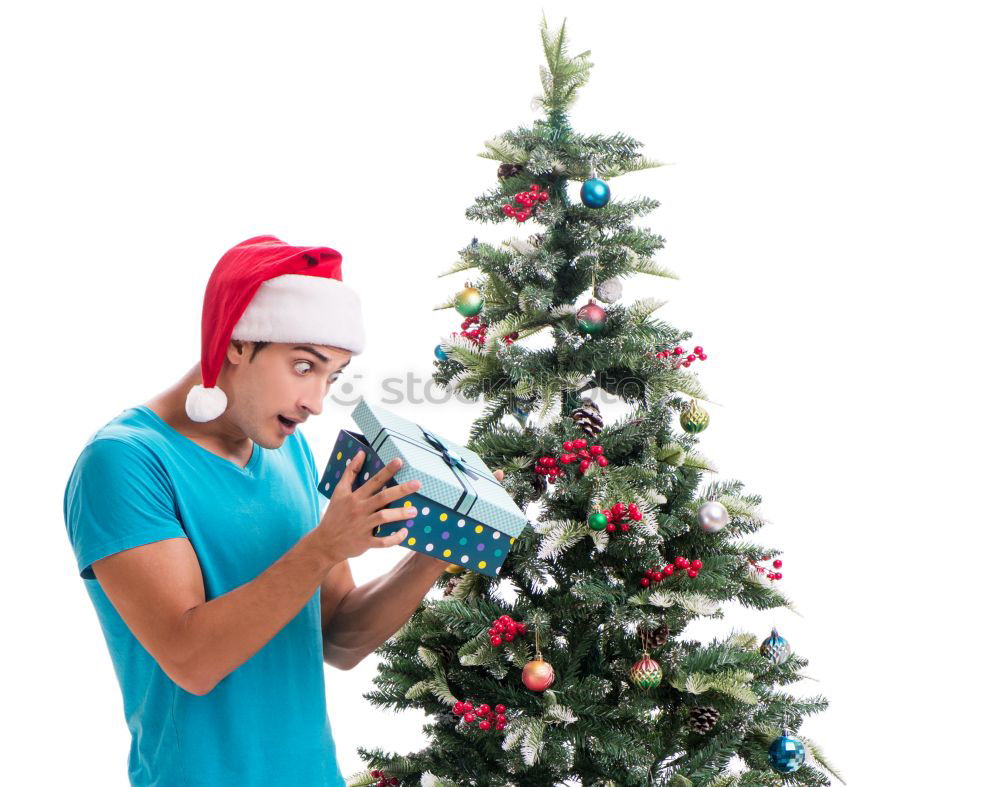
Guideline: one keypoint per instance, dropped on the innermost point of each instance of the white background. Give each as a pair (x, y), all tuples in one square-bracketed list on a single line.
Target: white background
[(831, 210)]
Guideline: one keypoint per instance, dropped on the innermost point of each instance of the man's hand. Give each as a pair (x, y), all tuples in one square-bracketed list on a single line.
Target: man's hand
[(346, 529)]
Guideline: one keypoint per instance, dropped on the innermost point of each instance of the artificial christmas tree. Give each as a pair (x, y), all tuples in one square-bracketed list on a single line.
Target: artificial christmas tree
[(604, 689)]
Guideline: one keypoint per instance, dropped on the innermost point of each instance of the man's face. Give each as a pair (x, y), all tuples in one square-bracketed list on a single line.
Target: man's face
[(285, 384)]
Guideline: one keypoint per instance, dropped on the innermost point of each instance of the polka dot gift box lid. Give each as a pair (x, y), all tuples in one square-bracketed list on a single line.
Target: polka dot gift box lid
[(466, 517)]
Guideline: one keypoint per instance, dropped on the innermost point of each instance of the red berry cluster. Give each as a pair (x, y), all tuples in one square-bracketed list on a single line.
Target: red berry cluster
[(527, 200), (383, 780), (490, 717), (772, 575), (698, 354), (510, 338), (505, 628), (691, 566), (617, 515), (477, 335), (548, 466), (582, 453)]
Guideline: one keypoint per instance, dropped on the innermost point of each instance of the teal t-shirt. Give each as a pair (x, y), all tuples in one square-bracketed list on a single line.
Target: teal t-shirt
[(138, 480)]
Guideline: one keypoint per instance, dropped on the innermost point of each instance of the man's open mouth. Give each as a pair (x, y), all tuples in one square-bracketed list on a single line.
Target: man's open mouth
[(286, 422)]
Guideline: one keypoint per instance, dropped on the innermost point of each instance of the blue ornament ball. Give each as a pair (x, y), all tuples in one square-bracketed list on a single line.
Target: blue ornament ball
[(786, 754), (440, 354), (595, 193), (775, 648)]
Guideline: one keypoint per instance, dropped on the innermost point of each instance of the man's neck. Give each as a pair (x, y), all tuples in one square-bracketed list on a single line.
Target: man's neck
[(214, 436)]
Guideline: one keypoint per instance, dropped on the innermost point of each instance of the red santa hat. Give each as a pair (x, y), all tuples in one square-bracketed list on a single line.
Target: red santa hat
[(265, 290)]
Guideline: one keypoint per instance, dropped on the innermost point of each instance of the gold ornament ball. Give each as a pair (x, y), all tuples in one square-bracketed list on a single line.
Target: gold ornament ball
[(453, 569), (694, 419), (538, 674), (469, 302)]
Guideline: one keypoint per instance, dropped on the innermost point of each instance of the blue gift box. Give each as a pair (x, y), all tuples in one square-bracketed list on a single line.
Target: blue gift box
[(466, 517)]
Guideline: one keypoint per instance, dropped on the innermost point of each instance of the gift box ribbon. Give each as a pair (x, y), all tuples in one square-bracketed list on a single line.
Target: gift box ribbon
[(455, 462)]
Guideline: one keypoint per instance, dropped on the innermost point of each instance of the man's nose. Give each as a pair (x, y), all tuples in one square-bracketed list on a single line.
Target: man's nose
[(313, 402)]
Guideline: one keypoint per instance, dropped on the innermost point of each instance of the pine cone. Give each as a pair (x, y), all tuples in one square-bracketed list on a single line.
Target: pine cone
[(588, 418), (452, 583), (509, 170), (445, 718), (703, 718), (539, 484), (658, 638)]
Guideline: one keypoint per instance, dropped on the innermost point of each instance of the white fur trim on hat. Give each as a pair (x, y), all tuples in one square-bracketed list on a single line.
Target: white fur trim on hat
[(295, 307), (205, 404)]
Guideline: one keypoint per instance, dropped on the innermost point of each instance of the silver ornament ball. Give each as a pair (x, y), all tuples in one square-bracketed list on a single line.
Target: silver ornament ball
[(610, 290), (712, 517)]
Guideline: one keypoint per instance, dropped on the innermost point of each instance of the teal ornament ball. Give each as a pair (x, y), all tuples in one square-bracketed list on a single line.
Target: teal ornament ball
[(786, 754), (775, 648), (440, 354), (595, 193), (591, 318)]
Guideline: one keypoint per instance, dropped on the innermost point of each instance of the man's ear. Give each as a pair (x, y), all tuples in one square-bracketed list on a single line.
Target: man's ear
[(235, 351)]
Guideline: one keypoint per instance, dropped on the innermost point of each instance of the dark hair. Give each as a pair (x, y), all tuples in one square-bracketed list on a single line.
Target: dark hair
[(257, 347)]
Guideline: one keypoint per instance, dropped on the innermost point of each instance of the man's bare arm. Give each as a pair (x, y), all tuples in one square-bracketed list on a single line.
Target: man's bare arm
[(158, 590), (371, 613)]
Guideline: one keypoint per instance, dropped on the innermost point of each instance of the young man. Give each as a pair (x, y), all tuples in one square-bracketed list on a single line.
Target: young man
[(219, 582)]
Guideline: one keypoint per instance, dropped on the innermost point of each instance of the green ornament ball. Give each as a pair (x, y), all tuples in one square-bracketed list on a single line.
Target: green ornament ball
[(597, 521), (469, 302), (694, 419)]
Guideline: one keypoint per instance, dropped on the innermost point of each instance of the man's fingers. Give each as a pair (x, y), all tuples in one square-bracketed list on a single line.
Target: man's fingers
[(380, 479), (389, 494), (351, 470), (498, 474), (391, 540)]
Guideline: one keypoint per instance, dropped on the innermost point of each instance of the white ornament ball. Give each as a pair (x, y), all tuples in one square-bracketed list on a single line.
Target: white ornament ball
[(610, 290), (712, 517)]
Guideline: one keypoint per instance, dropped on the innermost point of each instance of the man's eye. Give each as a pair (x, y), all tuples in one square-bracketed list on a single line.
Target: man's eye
[(304, 363)]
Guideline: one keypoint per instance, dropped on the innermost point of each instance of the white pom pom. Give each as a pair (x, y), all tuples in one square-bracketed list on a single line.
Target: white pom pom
[(205, 404)]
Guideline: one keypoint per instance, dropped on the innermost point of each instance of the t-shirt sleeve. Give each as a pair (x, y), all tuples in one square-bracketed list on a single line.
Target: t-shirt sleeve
[(118, 497)]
